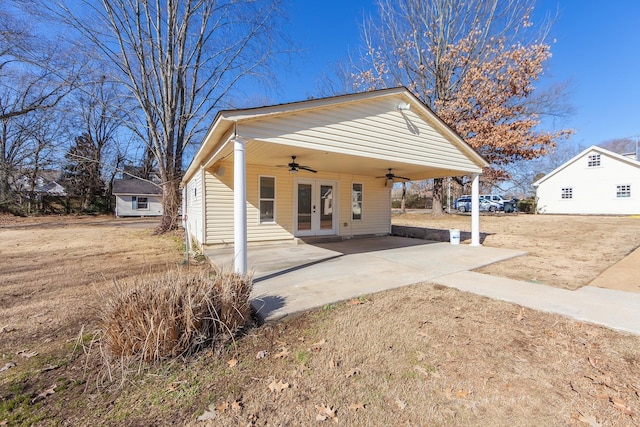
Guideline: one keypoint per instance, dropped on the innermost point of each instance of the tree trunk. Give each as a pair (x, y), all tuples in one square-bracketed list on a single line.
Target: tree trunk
[(170, 206), (438, 197)]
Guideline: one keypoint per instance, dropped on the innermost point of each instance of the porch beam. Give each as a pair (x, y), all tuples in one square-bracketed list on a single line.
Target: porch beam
[(239, 206), (475, 210)]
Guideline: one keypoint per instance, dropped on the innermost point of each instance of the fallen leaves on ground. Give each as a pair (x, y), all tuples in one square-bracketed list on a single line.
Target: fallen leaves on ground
[(359, 406), (6, 329), (232, 363), (44, 394), (587, 419), (326, 412), (209, 414), (277, 387), (237, 405), (401, 404), (352, 373), (7, 366), (284, 352), (27, 354), (317, 346), (621, 406)]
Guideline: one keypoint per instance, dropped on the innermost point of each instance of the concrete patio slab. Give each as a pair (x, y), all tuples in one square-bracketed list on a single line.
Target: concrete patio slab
[(290, 278), (607, 307)]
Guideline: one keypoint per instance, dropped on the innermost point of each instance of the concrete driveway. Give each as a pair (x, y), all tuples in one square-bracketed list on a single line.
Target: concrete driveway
[(289, 277)]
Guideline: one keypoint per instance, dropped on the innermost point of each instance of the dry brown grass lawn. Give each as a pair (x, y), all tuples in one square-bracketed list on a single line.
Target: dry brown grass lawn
[(420, 355), (566, 251)]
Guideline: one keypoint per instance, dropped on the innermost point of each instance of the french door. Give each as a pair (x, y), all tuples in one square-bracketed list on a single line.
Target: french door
[(316, 208)]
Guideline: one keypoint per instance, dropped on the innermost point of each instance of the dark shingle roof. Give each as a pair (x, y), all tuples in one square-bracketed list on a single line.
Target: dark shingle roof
[(135, 186)]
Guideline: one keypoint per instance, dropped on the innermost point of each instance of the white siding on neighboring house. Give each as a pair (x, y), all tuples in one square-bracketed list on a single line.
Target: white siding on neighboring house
[(127, 205), (596, 181)]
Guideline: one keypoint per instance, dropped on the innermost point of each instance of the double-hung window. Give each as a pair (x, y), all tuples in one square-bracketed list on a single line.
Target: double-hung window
[(623, 190), (267, 199), (567, 193), (139, 203), (594, 160)]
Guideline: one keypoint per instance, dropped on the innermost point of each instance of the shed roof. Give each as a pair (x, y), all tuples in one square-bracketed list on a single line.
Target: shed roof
[(135, 186)]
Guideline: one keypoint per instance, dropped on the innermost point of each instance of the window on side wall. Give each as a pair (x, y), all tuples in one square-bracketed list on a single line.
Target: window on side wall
[(139, 203), (567, 193), (623, 190), (267, 199), (594, 160), (356, 201)]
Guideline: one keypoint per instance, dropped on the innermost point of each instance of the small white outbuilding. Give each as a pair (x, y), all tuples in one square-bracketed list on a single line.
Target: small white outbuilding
[(596, 181), (135, 197)]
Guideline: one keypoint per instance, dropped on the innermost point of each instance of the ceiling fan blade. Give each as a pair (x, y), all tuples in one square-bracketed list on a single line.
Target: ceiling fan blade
[(403, 177), (307, 168)]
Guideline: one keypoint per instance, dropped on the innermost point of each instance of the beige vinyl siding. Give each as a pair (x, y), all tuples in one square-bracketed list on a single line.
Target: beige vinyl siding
[(220, 206), (219, 212), (373, 129), (194, 195), (376, 207), (282, 229)]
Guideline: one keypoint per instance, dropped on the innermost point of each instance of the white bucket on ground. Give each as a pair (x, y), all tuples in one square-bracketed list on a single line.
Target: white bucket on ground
[(454, 236)]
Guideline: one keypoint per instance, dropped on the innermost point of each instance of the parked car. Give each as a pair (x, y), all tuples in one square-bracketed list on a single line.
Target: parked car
[(460, 201), (496, 198), (463, 204)]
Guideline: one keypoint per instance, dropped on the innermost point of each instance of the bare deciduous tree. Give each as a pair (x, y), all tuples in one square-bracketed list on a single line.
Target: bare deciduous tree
[(475, 64), (178, 59)]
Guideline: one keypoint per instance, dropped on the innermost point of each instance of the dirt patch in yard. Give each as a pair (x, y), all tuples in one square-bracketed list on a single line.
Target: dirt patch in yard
[(565, 251), (419, 355)]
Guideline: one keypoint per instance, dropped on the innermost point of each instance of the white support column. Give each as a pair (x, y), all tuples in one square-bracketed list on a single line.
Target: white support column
[(239, 206), (475, 210)]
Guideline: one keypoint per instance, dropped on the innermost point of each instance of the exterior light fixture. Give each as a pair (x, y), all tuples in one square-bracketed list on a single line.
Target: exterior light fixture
[(404, 106)]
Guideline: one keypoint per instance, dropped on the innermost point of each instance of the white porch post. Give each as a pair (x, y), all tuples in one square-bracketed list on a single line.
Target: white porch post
[(239, 206), (475, 210)]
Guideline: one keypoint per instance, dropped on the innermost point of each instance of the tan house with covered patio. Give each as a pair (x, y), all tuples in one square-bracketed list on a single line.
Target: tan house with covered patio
[(322, 167)]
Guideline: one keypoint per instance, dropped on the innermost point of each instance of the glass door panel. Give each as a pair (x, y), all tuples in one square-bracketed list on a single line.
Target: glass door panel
[(326, 207), (304, 206)]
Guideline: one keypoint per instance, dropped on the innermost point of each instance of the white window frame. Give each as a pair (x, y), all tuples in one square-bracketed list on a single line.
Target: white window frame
[(593, 160), (266, 199), (623, 191), (135, 203), (354, 201), (566, 193)]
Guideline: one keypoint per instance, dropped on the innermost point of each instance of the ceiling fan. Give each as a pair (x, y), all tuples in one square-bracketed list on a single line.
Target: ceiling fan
[(295, 166), (390, 177)]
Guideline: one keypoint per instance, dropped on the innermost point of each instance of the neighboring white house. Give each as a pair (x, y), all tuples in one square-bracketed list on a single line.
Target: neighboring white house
[(596, 181), (322, 167), (135, 197)]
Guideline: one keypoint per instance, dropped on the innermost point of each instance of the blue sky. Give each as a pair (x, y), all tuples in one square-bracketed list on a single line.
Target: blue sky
[(597, 51)]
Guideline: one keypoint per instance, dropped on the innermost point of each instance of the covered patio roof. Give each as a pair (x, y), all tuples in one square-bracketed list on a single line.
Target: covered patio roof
[(362, 134)]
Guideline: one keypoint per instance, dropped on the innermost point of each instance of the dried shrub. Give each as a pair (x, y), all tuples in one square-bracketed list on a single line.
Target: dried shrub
[(176, 313)]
